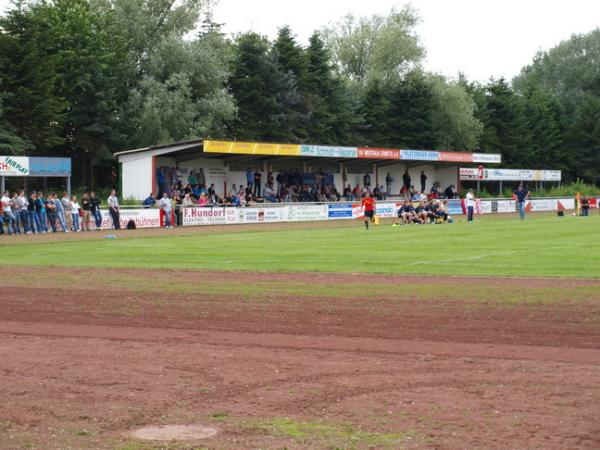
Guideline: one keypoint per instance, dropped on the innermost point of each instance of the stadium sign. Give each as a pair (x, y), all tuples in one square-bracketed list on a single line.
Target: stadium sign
[(328, 151), (467, 174), (14, 166)]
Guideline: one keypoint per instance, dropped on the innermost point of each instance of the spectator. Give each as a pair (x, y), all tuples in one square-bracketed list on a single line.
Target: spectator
[(41, 212), (34, 220), (257, 184), (449, 192), (16, 210), (166, 205), (250, 177), (24, 205), (85, 212), (150, 201), (203, 201), (406, 179), (66, 202), (50, 206), (470, 200), (269, 194), (60, 213), (521, 196), (388, 184), (585, 206), (95, 210), (9, 218), (201, 177), (367, 180), (187, 201), (348, 193), (161, 178), (423, 181), (113, 208), (75, 214)]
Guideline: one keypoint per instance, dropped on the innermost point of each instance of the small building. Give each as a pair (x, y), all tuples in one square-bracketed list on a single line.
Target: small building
[(225, 163)]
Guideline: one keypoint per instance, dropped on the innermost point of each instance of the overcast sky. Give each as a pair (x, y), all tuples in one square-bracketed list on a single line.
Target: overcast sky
[(481, 38)]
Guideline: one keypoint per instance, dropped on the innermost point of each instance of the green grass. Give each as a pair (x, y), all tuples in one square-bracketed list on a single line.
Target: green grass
[(494, 246)]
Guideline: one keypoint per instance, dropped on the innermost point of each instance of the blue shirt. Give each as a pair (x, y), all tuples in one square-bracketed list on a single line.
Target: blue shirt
[(521, 195), (59, 206)]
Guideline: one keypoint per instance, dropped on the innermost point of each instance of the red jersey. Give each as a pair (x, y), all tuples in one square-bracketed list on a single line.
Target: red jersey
[(368, 203)]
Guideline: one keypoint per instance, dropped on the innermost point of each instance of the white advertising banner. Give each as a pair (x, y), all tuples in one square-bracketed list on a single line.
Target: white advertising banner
[(263, 215), (483, 207), (543, 205), (487, 158), (307, 213), (209, 216), (507, 206), (143, 218), (567, 203), (14, 166)]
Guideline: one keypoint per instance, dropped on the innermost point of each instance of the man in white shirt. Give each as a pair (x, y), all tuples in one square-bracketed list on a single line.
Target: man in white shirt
[(166, 204), (470, 199), (9, 218), (113, 208)]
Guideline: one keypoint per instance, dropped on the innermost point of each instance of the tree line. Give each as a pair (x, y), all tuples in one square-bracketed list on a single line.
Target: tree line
[(86, 78)]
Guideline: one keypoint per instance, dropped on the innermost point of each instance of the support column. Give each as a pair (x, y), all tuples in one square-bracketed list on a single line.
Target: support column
[(3, 184), (500, 195), (69, 186)]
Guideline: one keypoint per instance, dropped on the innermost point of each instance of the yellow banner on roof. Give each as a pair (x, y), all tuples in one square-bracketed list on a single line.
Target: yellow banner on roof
[(251, 148)]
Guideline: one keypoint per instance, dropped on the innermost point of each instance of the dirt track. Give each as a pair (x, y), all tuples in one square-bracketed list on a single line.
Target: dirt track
[(83, 364)]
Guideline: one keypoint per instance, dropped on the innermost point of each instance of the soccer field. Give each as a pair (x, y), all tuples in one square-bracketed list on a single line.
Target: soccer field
[(541, 246), (304, 336)]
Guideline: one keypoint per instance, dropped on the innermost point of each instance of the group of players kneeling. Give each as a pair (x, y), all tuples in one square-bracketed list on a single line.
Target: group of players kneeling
[(426, 212)]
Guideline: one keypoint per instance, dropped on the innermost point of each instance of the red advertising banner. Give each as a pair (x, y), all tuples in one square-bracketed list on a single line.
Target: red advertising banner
[(378, 153), (456, 157)]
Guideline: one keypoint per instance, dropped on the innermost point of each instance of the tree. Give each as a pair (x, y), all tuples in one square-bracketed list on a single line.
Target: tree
[(453, 119), (33, 109), (584, 140), (267, 99), (377, 48)]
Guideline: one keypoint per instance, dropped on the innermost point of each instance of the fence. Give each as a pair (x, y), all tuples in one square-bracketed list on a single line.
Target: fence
[(308, 212)]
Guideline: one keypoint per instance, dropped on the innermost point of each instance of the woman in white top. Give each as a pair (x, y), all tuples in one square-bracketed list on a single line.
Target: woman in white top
[(75, 213)]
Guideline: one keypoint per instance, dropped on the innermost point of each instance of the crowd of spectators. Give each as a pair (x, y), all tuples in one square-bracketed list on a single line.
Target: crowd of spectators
[(41, 213), (287, 187)]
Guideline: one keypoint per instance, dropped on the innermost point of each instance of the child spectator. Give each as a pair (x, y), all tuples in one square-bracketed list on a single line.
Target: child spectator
[(75, 213)]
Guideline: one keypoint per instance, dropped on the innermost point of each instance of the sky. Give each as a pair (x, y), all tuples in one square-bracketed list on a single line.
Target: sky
[(481, 38)]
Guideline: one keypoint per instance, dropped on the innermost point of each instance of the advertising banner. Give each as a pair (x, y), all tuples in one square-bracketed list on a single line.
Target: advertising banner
[(14, 166), (209, 216), (419, 155), (328, 151), (542, 205), (507, 206), (456, 157), (487, 158), (49, 167), (483, 207), (455, 207), (340, 211), (263, 215), (143, 218), (467, 174), (378, 153), (305, 213), (251, 148), (566, 203)]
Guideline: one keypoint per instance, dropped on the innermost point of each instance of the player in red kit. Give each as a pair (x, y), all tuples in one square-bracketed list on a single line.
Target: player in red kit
[(368, 203)]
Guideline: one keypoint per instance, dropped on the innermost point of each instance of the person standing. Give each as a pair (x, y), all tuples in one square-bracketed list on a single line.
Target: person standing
[(166, 205), (366, 180), (60, 213), (66, 202), (368, 203), (388, 184), (470, 200), (113, 208), (522, 196), (75, 214), (40, 210), (16, 210), (34, 221), (9, 218), (23, 205), (406, 180), (249, 177), (51, 211), (423, 181), (585, 206), (85, 212), (95, 210), (257, 184)]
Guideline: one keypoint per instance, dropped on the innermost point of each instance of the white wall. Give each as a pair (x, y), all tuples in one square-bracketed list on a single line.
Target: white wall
[(136, 176), (447, 176)]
